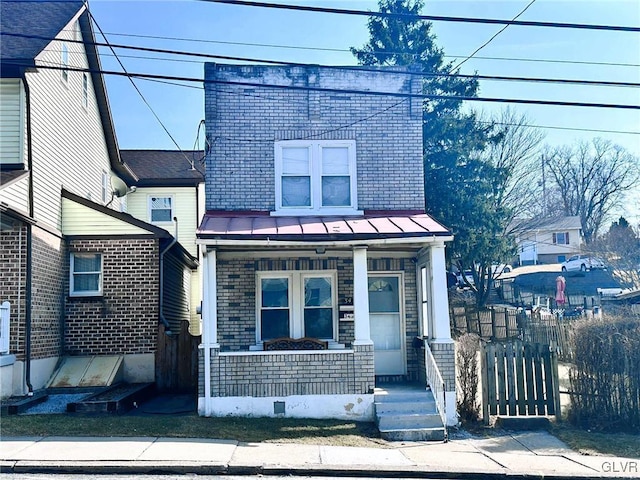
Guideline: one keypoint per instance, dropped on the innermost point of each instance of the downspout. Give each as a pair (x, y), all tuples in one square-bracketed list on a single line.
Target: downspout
[(28, 307), (164, 321)]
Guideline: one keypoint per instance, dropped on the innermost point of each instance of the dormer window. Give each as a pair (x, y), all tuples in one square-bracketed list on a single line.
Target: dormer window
[(315, 177)]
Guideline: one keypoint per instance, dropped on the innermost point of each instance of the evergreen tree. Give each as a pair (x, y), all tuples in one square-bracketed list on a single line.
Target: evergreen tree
[(461, 188)]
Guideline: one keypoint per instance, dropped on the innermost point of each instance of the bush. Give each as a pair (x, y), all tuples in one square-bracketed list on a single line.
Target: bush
[(467, 367), (605, 378)]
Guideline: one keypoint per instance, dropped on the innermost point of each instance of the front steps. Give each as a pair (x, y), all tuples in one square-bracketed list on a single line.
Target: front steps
[(407, 412)]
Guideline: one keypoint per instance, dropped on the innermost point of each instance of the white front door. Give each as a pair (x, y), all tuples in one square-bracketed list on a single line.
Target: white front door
[(385, 317)]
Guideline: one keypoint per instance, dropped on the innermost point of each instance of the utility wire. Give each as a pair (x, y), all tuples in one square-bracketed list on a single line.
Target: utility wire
[(139, 92), (344, 50), (343, 91), (344, 67), (457, 67), (433, 18)]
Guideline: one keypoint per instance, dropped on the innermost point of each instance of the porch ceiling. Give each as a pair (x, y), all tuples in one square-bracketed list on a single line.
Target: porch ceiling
[(379, 226)]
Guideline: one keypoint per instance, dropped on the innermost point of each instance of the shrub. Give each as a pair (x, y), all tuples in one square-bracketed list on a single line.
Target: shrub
[(467, 373), (605, 378)]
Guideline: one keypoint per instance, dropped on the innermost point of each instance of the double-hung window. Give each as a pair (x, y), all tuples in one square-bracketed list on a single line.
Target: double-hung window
[(315, 177), (160, 209), (86, 274), (296, 304), (561, 238)]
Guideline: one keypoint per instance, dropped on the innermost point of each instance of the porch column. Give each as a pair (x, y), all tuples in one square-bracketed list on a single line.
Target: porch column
[(441, 327), (210, 300), (361, 297), (210, 344)]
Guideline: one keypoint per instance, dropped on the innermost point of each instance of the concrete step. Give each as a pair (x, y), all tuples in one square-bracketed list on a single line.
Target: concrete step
[(403, 396), (413, 435), (427, 406), (399, 421)]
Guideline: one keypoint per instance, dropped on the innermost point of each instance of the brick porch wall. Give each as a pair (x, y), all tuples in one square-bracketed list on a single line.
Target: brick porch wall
[(262, 374), (125, 319), (445, 356)]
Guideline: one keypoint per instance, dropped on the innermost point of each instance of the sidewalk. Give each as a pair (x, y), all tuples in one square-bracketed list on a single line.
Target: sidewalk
[(514, 455)]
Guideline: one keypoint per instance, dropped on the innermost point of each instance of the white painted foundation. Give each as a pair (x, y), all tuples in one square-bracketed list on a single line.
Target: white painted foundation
[(452, 409), (340, 407)]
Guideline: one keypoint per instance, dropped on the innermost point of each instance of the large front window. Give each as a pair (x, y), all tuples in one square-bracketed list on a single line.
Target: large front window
[(315, 177), (296, 304)]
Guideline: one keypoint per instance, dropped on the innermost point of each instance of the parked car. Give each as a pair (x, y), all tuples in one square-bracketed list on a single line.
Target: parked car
[(499, 269), (582, 263), (466, 275)]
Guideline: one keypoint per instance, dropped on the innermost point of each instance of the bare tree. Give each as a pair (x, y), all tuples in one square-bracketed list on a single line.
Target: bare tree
[(515, 152), (591, 180), (620, 247)]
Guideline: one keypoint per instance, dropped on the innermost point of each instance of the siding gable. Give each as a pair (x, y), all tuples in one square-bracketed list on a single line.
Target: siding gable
[(79, 219), (11, 122)]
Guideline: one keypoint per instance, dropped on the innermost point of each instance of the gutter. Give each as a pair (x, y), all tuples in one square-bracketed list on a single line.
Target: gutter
[(164, 321), (28, 307)]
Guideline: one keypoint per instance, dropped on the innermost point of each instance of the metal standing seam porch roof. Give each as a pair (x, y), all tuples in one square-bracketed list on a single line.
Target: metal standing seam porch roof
[(255, 226)]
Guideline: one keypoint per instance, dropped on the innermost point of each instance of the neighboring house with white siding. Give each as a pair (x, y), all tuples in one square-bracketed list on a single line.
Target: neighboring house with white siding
[(170, 185), (61, 183), (547, 240)]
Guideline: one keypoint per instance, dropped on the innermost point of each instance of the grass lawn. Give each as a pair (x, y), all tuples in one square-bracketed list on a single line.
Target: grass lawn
[(597, 443), (281, 430)]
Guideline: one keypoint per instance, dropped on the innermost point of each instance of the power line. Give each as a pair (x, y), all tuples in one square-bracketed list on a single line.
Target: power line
[(345, 67), (494, 36), (140, 93), (343, 91), (346, 50), (546, 127), (433, 18)]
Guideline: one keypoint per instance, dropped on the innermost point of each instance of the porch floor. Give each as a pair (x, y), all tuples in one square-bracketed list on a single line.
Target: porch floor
[(383, 388)]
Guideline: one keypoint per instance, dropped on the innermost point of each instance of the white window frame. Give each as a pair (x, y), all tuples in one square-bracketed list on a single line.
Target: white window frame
[(64, 61), (85, 90), (85, 293), (296, 300), (106, 186), (565, 238), (315, 159), (149, 209)]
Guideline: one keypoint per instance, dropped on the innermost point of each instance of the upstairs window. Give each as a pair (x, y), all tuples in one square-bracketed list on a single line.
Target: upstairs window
[(64, 60), (315, 177), (160, 209), (86, 274), (561, 238)]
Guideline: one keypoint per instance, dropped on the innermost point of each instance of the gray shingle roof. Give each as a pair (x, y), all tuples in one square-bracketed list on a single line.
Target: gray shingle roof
[(39, 18), (165, 167)]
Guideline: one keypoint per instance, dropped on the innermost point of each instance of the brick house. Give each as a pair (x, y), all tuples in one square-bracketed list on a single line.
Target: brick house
[(79, 276), (323, 277)]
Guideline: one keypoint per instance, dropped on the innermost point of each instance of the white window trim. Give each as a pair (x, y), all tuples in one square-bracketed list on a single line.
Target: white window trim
[(173, 207), (106, 186), (315, 154), (296, 301), (86, 293), (64, 72)]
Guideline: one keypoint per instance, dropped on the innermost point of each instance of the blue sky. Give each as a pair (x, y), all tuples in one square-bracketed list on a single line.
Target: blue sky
[(181, 109)]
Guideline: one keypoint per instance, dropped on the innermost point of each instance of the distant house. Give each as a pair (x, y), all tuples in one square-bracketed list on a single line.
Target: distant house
[(79, 277), (548, 240), (323, 276), (170, 184)]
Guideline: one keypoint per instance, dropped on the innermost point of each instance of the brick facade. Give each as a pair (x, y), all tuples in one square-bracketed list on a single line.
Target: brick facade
[(244, 122), (13, 275), (124, 320)]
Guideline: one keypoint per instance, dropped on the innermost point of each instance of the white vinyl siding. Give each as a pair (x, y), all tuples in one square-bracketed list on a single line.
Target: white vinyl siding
[(12, 113), (78, 219), (183, 208), (16, 195), (68, 141)]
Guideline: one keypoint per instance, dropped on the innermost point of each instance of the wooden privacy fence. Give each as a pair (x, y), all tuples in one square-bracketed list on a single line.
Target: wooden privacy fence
[(497, 323), (177, 360), (519, 379)]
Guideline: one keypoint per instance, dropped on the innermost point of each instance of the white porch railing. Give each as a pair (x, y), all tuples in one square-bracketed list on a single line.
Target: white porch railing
[(435, 381), (5, 310)]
